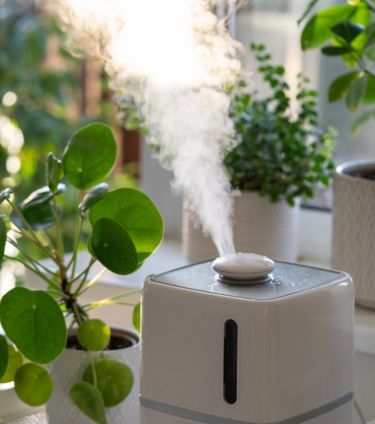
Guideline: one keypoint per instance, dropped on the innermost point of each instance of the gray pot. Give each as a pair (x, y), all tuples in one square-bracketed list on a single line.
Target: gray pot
[(353, 240), (259, 226)]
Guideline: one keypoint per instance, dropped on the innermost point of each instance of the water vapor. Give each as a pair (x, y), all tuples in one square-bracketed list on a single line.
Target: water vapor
[(176, 58)]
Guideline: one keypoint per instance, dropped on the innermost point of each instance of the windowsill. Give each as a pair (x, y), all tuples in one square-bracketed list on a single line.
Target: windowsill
[(314, 248)]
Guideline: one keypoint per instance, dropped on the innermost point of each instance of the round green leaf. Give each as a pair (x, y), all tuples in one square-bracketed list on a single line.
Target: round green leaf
[(33, 384), (4, 356), (94, 335), (137, 317), (93, 196), (89, 400), (136, 213), (15, 360), (35, 324), (90, 156), (113, 247), (115, 380)]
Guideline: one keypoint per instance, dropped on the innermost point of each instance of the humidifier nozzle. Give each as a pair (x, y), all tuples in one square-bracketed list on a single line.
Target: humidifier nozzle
[(243, 268)]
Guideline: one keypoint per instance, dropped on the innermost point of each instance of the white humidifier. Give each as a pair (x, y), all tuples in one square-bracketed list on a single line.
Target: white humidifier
[(245, 340)]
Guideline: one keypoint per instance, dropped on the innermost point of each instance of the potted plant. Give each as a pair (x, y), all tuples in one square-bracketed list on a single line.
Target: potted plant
[(51, 348), (281, 156), (347, 31)]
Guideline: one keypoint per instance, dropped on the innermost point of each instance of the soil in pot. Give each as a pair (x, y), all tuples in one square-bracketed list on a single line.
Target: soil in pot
[(116, 342), (367, 175)]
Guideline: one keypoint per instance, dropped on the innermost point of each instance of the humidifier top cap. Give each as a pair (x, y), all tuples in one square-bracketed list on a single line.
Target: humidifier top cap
[(245, 268), (286, 279)]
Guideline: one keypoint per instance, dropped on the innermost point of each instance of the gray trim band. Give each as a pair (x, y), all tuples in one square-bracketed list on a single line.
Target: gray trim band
[(212, 419)]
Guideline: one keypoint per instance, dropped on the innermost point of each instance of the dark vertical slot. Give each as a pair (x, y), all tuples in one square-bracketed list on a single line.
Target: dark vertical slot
[(230, 361)]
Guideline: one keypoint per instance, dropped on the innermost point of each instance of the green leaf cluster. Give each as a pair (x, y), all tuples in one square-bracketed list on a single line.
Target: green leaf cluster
[(124, 228), (281, 153), (347, 31)]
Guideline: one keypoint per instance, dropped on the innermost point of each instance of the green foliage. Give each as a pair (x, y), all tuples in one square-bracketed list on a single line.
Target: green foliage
[(5, 194), (83, 166), (89, 400), (37, 209), (281, 154), (92, 197), (33, 384), (137, 317), (15, 360), (125, 227), (34, 322), (108, 237), (135, 213), (54, 172), (347, 31), (114, 379), (4, 356), (94, 335), (3, 237)]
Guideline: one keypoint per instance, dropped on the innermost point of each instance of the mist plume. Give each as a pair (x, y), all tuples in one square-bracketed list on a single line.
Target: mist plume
[(176, 58)]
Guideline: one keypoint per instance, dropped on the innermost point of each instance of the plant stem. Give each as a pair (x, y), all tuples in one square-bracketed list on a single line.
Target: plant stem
[(32, 260), (73, 260), (77, 315), (111, 300), (83, 276), (59, 240), (57, 293), (25, 235), (35, 270), (94, 376), (92, 281), (28, 226)]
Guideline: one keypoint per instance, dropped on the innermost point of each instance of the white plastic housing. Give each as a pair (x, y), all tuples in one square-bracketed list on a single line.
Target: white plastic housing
[(294, 356)]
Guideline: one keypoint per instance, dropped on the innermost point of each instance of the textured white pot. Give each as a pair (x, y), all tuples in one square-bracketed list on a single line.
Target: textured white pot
[(259, 226), (353, 240), (68, 369)]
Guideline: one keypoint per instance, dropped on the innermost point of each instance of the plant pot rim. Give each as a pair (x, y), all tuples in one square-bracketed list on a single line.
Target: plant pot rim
[(345, 169), (115, 330)]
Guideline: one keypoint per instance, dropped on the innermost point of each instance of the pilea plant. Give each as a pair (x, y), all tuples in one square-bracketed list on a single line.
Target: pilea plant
[(282, 153), (124, 227)]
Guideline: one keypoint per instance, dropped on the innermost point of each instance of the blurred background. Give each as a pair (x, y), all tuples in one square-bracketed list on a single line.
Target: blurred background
[(46, 92)]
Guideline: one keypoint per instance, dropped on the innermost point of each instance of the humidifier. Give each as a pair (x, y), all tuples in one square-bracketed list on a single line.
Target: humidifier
[(246, 340)]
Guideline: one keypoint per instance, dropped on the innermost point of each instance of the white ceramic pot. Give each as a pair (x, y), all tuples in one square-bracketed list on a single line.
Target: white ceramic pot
[(353, 241), (259, 226), (68, 369)]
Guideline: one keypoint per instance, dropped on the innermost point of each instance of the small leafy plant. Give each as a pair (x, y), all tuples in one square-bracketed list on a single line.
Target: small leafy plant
[(347, 31), (124, 228), (281, 153)]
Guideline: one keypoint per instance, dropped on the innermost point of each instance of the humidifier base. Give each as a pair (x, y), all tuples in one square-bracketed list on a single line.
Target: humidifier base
[(156, 413)]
